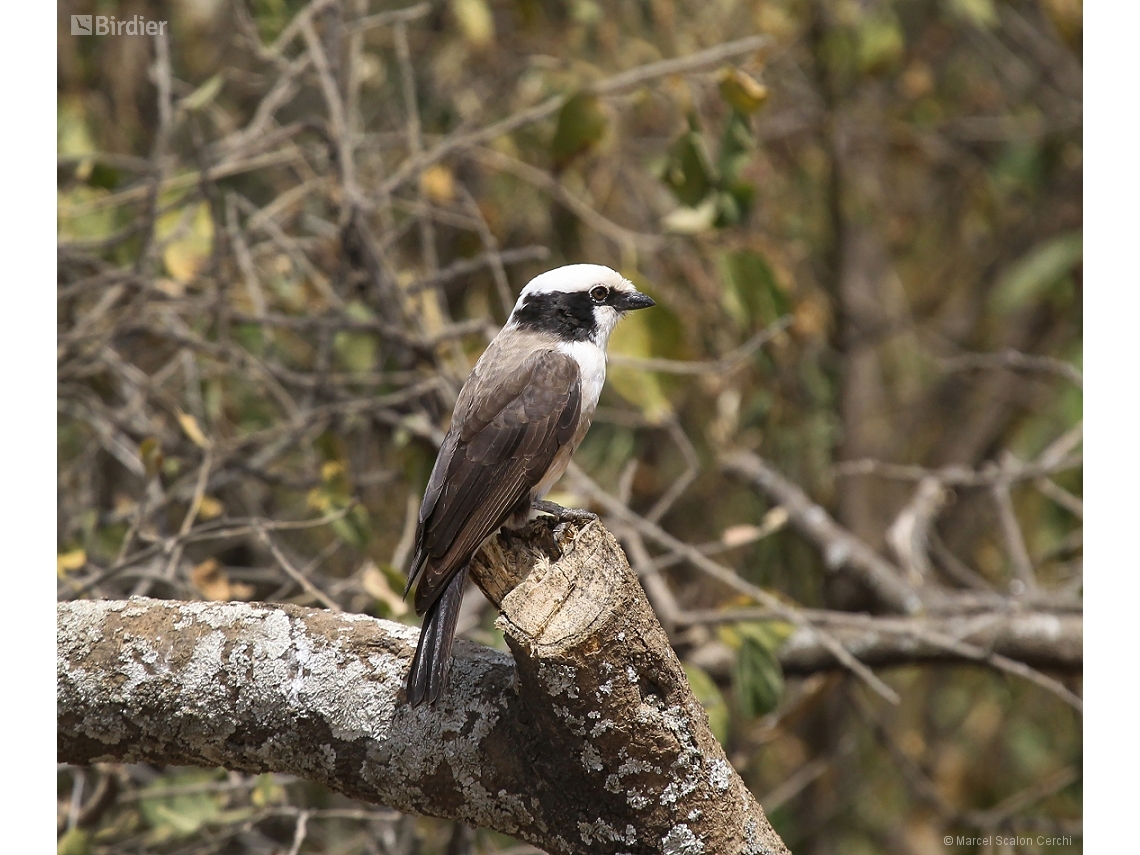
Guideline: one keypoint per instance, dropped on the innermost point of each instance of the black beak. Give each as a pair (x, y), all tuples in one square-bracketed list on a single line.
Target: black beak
[(633, 300)]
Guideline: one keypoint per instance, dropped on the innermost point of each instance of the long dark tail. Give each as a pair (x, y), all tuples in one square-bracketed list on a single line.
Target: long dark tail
[(431, 665)]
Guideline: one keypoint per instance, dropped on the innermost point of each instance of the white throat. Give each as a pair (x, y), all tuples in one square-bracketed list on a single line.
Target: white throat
[(606, 318), (591, 361)]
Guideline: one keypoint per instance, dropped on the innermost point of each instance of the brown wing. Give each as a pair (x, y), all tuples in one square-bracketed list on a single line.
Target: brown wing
[(503, 438)]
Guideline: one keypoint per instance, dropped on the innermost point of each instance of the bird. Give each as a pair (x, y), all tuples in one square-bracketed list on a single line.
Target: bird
[(519, 417)]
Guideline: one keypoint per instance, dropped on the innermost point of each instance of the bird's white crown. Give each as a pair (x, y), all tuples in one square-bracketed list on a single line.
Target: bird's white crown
[(574, 277)]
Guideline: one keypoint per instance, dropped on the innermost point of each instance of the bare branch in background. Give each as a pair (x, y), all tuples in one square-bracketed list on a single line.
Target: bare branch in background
[(1015, 360), (840, 547)]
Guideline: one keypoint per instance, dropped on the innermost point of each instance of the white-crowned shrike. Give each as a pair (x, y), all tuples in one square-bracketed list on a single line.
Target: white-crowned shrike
[(519, 417)]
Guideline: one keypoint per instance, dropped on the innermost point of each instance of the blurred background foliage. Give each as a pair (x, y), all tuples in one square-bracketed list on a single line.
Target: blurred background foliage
[(269, 295)]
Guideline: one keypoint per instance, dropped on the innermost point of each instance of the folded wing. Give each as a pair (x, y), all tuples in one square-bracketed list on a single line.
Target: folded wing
[(507, 429)]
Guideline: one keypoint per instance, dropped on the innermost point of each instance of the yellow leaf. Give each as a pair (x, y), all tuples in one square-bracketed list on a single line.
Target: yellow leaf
[(318, 500), (729, 635), (181, 261), (332, 473), (189, 244), (192, 431), (151, 453), (210, 508), (439, 183), (475, 20), (67, 562), (742, 91), (776, 518), (210, 578), (267, 792)]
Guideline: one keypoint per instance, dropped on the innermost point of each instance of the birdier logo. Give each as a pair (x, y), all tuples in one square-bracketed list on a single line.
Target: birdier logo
[(102, 25)]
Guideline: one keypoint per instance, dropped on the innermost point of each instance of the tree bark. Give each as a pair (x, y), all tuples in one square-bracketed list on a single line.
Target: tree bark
[(589, 741)]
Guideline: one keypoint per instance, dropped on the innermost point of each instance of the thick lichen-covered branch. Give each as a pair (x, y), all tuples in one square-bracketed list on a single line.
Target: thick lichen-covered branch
[(591, 740)]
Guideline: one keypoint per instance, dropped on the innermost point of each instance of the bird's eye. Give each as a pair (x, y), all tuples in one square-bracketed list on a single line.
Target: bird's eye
[(599, 293)]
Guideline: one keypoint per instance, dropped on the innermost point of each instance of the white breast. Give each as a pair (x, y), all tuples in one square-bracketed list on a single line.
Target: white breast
[(591, 361)]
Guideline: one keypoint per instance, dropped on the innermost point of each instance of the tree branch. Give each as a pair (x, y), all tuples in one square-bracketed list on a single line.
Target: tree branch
[(840, 547), (1047, 640), (1041, 640), (590, 741)]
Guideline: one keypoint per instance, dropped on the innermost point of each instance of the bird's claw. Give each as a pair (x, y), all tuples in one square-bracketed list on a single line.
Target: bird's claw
[(564, 515)]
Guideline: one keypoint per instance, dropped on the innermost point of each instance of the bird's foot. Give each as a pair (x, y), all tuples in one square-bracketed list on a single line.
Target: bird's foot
[(564, 515)]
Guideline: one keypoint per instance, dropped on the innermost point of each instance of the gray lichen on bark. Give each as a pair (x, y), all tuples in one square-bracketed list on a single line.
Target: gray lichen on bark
[(589, 740)]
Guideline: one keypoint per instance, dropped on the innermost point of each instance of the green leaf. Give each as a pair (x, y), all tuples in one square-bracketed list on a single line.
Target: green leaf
[(712, 196), (204, 94), (73, 137), (758, 678), (751, 294), (180, 815), (981, 13), (1038, 272), (1020, 168), (77, 221), (357, 351), (707, 692), (267, 792), (581, 125), (103, 175), (688, 171), (736, 148), (353, 528), (251, 337), (335, 494), (770, 633), (76, 841), (881, 44), (728, 209)]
